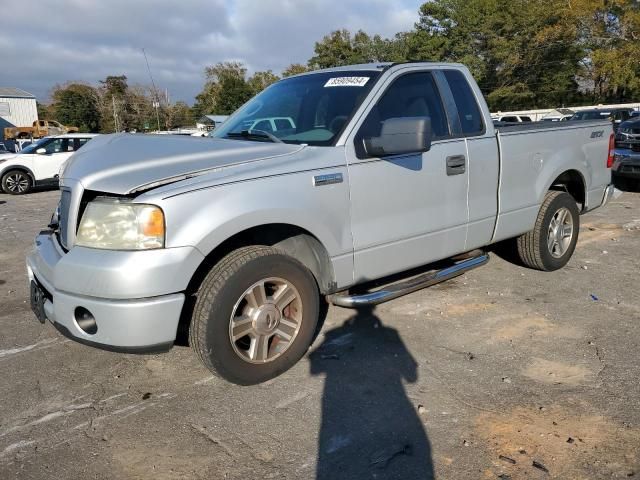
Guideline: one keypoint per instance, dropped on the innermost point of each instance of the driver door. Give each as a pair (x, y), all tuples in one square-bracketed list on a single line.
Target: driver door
[(407, 210)]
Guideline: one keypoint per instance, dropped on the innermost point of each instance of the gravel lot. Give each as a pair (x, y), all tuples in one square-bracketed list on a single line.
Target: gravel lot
[(502, 373)]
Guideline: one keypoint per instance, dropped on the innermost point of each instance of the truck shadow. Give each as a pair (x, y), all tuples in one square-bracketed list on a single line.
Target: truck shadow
[(370, 428)]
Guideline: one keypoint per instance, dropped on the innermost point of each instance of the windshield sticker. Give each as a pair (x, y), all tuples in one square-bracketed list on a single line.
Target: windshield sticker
[(347, 82)]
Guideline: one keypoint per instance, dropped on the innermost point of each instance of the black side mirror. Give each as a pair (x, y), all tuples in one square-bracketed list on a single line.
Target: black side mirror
[(399, 136)]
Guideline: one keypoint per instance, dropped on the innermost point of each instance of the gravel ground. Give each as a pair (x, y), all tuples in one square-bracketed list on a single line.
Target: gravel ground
[(502, 373)]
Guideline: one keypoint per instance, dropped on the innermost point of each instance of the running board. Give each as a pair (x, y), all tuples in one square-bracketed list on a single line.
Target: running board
[(408, 286)]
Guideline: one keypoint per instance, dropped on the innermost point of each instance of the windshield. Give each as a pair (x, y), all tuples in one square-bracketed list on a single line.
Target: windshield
[(36, 145), (311, 109)]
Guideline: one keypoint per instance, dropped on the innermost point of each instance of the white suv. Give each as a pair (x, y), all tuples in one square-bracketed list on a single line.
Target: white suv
[(39, 163)]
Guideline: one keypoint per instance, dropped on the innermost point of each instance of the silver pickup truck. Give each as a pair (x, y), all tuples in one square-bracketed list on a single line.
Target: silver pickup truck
[(322, 182)]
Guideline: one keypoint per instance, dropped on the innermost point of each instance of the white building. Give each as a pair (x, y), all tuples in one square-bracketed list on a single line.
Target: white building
[(17, 109)]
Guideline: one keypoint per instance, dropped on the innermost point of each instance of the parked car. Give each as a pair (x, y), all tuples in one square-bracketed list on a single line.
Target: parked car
[(615, 115), (558, 115), (272, 124), (626, 167), (511, 118), (239, 239), (628, 135), (39, 163)]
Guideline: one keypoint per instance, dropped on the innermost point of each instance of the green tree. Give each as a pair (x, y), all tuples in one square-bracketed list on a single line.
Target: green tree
[(516, 49), (180, 115), (128, 108), (341, 48), (138, 110), (294, 69), (77, 104), (225, 89), (261, 80), (115, 85), (609, 33), (113, 103), (44, 111)]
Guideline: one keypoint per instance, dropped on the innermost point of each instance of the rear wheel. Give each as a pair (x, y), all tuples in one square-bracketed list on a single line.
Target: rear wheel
[(16, 182), (551, 243), (255, 315)]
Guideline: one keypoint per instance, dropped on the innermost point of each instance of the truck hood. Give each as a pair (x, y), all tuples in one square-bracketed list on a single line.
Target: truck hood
[(127, 163)]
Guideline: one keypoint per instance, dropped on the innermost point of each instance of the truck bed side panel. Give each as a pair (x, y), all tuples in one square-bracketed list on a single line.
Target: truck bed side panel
[(532, 158)]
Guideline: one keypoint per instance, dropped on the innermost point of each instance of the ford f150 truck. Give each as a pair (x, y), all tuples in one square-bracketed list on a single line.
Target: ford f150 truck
[(238, 239)]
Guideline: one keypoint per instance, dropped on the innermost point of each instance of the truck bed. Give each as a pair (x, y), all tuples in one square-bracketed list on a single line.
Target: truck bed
[(532, 155)]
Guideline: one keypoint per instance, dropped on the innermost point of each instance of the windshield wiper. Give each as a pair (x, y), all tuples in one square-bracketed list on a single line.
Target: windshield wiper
[(254, 133)]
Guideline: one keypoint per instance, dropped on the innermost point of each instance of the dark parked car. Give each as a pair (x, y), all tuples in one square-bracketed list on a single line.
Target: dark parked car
[(616, 115), (628, 135), (626, 166)]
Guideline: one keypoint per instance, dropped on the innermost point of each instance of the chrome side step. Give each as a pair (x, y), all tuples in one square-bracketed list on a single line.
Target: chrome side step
[(403, 288)]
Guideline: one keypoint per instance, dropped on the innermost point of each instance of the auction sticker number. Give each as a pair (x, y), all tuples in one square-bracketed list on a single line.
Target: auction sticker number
[(347, 82)]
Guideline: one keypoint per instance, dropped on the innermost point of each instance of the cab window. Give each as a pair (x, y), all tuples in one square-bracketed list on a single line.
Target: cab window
[(468, 111), (411, 95)]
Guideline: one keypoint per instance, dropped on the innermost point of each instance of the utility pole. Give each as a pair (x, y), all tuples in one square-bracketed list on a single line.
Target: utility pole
[(156, 102)]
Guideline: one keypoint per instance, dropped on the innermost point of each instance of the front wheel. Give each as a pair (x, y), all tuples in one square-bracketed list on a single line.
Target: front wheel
[(551, 243), (16, 182), (255, 315)]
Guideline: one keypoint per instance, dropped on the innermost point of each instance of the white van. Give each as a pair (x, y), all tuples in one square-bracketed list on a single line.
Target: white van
[(39, 163)]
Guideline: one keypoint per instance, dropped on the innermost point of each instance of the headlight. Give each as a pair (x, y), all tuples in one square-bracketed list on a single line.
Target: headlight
[(624, 130), (118, 225)]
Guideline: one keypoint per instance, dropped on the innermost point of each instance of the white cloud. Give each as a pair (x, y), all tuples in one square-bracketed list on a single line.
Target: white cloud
[(86, 40)]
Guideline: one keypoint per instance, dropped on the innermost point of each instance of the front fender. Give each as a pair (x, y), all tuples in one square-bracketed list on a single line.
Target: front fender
[(206, 218)]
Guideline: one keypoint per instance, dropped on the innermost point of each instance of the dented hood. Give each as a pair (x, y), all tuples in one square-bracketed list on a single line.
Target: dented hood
[(126, 163)]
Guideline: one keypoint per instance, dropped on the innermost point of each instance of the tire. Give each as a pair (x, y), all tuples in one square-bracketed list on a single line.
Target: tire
[(16, 182), (224, 301), (545, 247)]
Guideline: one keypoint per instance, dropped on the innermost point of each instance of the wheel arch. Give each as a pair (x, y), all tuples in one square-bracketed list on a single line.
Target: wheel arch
[(293, 240), (573, 182), (21, 168)]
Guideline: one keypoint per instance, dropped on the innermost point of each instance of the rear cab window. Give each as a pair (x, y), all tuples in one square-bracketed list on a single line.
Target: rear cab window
[(469, 113)]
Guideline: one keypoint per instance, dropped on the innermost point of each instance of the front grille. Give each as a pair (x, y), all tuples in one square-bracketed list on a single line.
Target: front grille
[(63, 216)]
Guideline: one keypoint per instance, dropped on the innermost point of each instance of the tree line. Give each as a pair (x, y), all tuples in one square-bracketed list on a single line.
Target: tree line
[(523, 53)]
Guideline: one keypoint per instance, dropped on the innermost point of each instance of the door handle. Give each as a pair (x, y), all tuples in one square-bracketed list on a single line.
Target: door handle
[(456, 165)]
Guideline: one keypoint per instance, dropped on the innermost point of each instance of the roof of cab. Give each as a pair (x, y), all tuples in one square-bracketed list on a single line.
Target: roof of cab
[(378, 67)]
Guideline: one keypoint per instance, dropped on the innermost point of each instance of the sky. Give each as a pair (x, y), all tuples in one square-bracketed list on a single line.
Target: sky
[(55, 41)]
